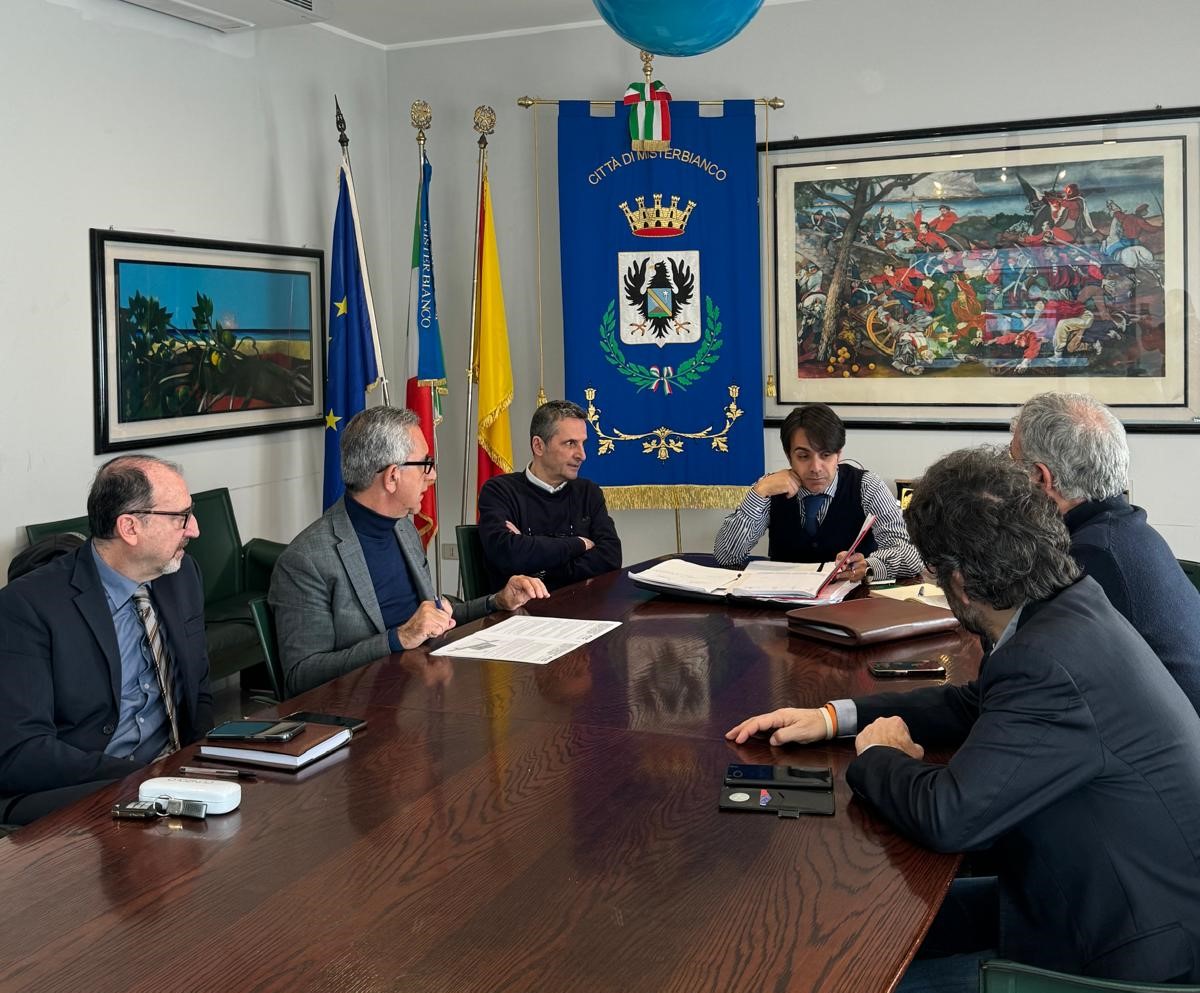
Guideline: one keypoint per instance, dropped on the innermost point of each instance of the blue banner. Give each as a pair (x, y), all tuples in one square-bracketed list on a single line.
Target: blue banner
[(661, 303), (353, 347)]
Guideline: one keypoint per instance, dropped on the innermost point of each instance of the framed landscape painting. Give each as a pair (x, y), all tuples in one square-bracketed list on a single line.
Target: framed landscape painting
[(202, 339), (942, 278)]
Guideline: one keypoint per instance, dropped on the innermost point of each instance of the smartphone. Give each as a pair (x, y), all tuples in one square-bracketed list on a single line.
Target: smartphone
[(909, 669), (355, 724), (284, 730), (790, 776), (784, 803)]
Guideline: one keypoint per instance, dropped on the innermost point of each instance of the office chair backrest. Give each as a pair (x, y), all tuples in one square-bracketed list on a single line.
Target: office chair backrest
[(218, 550), (78, 525), (264, 624), (472, 567), (1002, 976)]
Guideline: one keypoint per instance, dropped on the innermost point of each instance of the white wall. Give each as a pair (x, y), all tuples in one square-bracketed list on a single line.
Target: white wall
[(116, 116), (844, 67)]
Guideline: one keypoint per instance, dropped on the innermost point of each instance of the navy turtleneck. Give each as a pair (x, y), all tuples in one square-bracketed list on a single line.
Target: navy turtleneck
[(389, 571)]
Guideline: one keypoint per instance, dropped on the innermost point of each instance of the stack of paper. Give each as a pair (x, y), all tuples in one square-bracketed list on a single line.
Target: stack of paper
[(790, 582), (935, 596)]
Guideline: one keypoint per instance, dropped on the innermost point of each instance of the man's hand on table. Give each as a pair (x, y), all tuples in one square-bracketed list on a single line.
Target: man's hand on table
[(790, 725), (889, 731)]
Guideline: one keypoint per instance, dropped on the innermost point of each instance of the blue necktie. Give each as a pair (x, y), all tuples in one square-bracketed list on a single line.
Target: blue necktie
[(814, 503)]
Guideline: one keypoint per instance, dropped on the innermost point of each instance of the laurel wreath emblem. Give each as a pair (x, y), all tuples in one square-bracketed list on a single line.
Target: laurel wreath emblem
[(650, 377)]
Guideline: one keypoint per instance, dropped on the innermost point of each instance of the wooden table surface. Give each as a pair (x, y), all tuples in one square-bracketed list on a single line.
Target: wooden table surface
[(503, 827)]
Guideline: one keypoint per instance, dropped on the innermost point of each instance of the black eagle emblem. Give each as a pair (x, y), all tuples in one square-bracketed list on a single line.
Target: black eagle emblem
[(659, 310)]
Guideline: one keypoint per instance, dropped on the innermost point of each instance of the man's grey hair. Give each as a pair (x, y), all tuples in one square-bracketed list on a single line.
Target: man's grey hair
[(977, 512), (374, 439), (546, 418), (1079, 440)]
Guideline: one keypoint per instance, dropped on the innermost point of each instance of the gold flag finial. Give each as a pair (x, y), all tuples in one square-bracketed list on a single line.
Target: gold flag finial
[(421, 117), (485, 119), (647, 68)]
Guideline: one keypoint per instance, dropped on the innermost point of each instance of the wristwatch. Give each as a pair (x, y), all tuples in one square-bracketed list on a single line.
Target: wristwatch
[(489, 604)]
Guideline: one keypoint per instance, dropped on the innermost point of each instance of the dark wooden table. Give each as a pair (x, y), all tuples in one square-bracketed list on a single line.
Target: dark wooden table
[(503, 827)]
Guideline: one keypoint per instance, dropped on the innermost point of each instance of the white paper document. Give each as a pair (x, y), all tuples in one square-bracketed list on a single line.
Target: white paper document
[(528, 639), (935, 596), (790, 582)]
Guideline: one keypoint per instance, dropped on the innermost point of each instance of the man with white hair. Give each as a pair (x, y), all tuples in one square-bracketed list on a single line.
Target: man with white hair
[(1076, 451)]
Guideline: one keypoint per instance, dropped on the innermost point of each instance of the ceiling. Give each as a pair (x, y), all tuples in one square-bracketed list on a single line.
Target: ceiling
[(403, 23), (409, 23)]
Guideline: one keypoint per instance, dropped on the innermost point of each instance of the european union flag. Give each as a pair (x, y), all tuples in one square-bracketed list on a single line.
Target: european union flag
[(354, 362)]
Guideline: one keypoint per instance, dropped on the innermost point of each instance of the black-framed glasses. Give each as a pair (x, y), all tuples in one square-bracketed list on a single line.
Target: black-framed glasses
[(426, 463), (183, 516)]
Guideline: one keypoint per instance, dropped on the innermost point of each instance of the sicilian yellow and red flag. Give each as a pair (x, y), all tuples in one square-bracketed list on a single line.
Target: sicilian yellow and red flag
[(491, 363)]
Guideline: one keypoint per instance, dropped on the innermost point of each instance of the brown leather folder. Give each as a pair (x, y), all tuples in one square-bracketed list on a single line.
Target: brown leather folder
[(869, 621)]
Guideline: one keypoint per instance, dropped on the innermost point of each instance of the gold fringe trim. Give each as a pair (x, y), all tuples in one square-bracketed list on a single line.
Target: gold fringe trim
[(650, 145), (681, 497), (495, 412)]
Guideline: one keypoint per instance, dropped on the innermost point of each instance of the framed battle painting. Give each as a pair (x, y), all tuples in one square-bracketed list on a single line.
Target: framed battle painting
[(203, 339), (942, 278)]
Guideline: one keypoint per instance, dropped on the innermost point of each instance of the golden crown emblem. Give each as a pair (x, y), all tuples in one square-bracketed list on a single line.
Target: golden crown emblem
[(657, 221)]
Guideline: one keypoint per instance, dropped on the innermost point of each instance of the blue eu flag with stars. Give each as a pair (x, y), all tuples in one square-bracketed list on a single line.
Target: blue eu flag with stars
[(353, 364)]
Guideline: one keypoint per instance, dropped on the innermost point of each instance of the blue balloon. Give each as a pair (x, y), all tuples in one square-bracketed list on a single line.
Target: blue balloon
[(677, 27)]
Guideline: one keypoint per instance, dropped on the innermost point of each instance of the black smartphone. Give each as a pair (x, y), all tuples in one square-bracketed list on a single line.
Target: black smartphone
[(355, 724), (909, 669), (785, 803), (284, 730), (784, 776)]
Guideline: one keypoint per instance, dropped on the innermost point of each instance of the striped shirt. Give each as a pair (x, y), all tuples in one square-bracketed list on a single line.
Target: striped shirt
[(895, 558)]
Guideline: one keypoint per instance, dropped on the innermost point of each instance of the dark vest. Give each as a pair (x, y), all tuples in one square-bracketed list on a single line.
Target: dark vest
[(787, 541)]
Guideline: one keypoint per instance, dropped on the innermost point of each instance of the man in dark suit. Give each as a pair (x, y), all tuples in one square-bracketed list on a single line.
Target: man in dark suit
[(354, 585), (1078, 757), (1075, 449), (102, 651)]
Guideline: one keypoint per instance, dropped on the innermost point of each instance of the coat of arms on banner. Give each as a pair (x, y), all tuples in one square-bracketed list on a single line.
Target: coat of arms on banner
[(660, 297)]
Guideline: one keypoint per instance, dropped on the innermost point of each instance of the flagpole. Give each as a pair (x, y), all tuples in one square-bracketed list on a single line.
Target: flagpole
[(344, 141), (485, 124), (421, 117)]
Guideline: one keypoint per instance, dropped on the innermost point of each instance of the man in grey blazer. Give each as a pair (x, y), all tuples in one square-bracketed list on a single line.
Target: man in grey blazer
[(355, 585)]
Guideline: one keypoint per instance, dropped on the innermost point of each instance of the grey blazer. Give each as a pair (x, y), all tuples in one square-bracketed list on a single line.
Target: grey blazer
[(327, 617)]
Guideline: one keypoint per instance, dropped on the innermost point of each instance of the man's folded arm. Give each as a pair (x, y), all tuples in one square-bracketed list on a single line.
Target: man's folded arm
[(518, 554), (1022, 755)]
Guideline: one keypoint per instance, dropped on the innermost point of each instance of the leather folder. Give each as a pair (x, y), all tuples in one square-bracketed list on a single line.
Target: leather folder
[(869, 621)]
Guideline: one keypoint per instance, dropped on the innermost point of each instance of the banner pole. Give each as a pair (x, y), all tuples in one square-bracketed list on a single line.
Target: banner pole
[(485, 124)]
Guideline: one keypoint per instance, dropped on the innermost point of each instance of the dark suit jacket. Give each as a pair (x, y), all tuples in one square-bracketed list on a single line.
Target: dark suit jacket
[(327, 616), (60, 669), (1080, 760)]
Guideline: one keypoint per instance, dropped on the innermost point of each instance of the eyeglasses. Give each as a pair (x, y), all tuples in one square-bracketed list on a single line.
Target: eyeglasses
[(426, 463), (183, 516)]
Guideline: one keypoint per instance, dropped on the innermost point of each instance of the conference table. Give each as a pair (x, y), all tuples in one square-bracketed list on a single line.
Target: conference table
[(504, 827)]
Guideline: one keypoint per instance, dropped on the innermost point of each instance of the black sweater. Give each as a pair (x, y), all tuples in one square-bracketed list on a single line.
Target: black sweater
[(551, 526)]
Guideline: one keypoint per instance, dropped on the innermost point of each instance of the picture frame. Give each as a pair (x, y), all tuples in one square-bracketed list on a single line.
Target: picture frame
[(939, 278), (198, 339)]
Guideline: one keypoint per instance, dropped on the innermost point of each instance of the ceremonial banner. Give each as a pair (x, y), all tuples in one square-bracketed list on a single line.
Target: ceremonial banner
[(355, 364), (661, 304), (426, 364)]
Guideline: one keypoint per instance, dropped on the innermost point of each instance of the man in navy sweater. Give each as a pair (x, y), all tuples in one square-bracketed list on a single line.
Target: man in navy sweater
[(1076, 451), (546, 521)]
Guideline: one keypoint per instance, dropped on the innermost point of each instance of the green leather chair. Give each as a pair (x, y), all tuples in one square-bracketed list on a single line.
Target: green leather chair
[(1192, 571), (264, 624), (1002, 976), (233, 574), (477, 579)]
